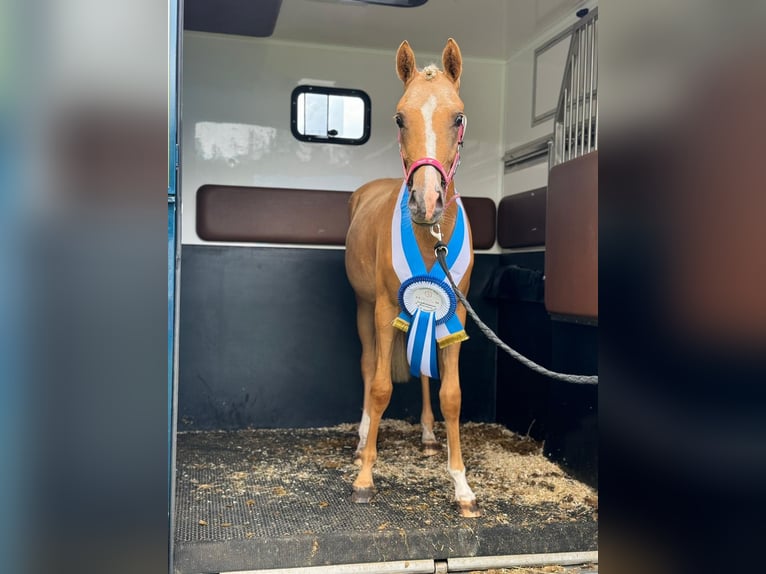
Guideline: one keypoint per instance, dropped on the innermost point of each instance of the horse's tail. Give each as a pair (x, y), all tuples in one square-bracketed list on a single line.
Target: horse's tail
[(400, 369)]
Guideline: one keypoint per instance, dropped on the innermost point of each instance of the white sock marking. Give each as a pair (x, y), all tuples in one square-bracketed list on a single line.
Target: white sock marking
[(364, 428), (428, 434), (462, 490)]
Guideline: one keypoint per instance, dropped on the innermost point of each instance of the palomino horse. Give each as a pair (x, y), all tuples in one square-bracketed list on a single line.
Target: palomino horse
[(418, 207)]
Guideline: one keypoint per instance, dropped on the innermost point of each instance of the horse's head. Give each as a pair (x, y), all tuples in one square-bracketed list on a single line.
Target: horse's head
[(431, 122)]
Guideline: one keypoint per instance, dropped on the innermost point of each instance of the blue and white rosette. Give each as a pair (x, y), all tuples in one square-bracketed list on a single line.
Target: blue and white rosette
[(426, 299)]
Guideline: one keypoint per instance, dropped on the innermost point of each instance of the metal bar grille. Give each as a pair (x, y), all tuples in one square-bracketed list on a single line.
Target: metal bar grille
[(576, 122)]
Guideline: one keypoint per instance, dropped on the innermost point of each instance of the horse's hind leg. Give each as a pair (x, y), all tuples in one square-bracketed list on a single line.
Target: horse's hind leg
[(449, 400), (379, 396), (430, 445), (365, 323)]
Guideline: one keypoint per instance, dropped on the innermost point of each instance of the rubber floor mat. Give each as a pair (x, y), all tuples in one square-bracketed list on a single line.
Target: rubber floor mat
[(257, 499)]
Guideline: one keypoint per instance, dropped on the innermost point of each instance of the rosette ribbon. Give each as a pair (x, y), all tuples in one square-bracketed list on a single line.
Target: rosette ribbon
[(426, 299)]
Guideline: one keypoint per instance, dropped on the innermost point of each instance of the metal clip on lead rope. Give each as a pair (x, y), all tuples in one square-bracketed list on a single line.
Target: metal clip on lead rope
[(436, 231)]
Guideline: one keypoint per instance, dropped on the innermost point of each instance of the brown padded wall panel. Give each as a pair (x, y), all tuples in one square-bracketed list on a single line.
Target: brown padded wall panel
[(272, 215), (521, 219), (482, 215), (300, 216), (571, 238)]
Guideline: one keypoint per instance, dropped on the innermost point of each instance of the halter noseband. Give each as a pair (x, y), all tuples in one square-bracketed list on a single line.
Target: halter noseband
[(433, 162)]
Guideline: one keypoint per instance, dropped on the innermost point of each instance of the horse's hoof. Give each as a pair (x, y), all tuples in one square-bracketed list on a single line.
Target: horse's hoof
[(431, 448), (362, 495), (468, 508), (358, 458)]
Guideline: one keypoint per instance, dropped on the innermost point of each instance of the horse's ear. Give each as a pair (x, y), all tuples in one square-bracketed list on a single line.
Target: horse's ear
[(452, 61), (405, 62)]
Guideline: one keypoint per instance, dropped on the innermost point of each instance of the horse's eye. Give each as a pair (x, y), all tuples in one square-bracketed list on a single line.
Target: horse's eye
[(459, 119), (399, 120)]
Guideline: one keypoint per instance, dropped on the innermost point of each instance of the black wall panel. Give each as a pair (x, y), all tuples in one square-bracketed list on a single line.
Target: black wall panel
[(268, 339), (572, 433), (522, 394), (564, 415)]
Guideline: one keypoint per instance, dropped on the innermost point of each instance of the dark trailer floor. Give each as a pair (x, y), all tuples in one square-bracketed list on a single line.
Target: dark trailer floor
[(261, 499)]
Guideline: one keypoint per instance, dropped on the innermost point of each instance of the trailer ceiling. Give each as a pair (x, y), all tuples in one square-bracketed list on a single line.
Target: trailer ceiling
[(494, 29)]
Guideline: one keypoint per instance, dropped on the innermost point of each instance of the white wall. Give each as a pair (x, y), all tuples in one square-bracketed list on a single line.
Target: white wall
[(236, 118), (518, 129)]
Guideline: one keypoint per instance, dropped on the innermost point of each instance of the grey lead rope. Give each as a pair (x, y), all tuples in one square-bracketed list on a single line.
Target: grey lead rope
[(440, 250)]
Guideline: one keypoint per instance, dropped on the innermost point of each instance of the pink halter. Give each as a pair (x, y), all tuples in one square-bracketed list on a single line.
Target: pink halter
[(446, 176)]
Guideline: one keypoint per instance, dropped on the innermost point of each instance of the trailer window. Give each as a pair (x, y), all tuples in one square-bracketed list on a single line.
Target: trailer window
[(330, 115)]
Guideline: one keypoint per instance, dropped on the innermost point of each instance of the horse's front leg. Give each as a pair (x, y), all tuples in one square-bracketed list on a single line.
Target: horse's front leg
[(449, 400), (365, 321), (430, 445), (378, 398)]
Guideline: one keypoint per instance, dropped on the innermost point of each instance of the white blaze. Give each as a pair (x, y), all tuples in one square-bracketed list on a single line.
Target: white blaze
[(431, 174), (428, 117)]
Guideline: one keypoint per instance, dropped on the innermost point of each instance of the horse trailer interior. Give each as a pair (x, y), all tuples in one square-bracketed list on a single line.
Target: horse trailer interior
[(265, 378)]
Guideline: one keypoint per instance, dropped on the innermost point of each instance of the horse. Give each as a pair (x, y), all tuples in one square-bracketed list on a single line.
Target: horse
[(430, 121)]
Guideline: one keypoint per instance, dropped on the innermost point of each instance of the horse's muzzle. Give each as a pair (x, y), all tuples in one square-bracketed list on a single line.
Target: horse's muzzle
[(425, 212)]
